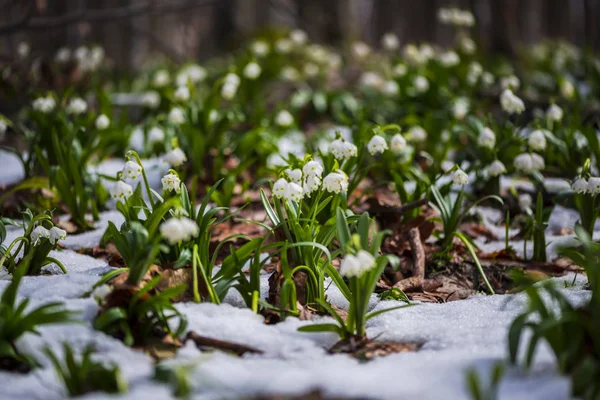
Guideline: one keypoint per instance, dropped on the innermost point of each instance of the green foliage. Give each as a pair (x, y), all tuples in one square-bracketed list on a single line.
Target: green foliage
[(478, 390)]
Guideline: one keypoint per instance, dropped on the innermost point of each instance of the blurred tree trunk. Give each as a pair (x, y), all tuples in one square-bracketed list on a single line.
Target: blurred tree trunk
[(503, 30), (321, 19)]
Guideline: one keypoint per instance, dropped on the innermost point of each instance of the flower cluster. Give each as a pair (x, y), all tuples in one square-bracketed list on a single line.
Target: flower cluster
[(529, 162), (354, 266), (77, 106), (457, 17), (53, 235), (590, 186), (342, 149), (177, 230), (44, 105)]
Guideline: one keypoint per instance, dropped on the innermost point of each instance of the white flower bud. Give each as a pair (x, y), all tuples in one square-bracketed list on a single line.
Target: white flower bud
[(360, 50), (554, 113), (252, 70), (171, 182), (486, 138), (299, 37), (177, 230), (523, 162), (400, 70), (342, 149), (511, 103), (38, 234), (283, 45), (355, 266), (156, 135), (182, 94), (311, 183), (313, 168), (260, 48), (63, 55), (496, 168), (176, 116), (77, 106), (151, 99), (293, 192), (510, 82), (390, 88), (132, 170), (279, 188), (398, 143), (284, 119), (336, 182), (161, 78), (580, 186), (525, 202), (377, 144), (102, 122), (460, 108), (390, 42), (44, 104), (121, 190), (57, 234), (459, 177), (449, 59), (294, 174), (594, 185), (417, 134), (175, 157), (537, 140), (537, 162), (289, 74), (421, 84)]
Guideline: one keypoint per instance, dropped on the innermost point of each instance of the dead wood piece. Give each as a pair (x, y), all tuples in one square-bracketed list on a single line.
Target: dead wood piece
[(414, 239), (414, 284), (203, 342), (368, 349)]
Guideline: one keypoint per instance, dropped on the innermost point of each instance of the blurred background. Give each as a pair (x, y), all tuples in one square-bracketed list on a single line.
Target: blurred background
[(135, 32)]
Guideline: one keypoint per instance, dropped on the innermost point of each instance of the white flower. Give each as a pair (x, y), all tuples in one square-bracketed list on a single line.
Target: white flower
[(487, 78), (313, 168), (229, 90), (390, 88), (400, 70), (176, 116), (580, 186), (594, 185), (77, 106), (182, 93), (132, 170), (360, 49), (511, 103), (417, 134), (496, 168), (459, 177), (537, 162), (63, 55), (171, 182), (293, 192), (523, 162), (371, 79), (2, 128), (151, 99), (283, 45), (57, 234), (510, 82), (342, 149), (177, 230), (475, 71), (537, 140), (102, 122), (161, 78), (377, 144), (449, 59), (460, 108), (252, 70), (260, 48), (38, 234), (336, 182), (456, 16), (486, 138), (23, 49), (279, 188), (213, 116), (195, 73), (284, 119), (44, 104), (525, 201), (398, 143), (355, 266), (298, 36), (421, 84), (467, 45), (100, 292), (311, 70), (289, 73), (554, 113), (96, 57), (390, 41), (294, 174), (81, 54), (311, 183), (175, 157), (156, 135), (567, 90), (121, 190)]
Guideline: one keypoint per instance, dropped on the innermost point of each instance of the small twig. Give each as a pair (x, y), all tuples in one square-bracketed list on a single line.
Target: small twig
[(206, 342), (416, 247)]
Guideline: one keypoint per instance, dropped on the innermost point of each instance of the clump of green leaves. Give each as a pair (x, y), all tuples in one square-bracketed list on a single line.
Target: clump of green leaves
[(83, 375), (477, 388)]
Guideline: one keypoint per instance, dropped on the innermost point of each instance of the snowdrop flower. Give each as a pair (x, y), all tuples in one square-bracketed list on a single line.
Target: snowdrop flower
[(313, 168), (63, 55), (177, 230), (537, 162), (156, 135), (196, 73), (284, 119), (100, 292), (260, 48), (23, 49), (537, 140), (229, 90), (182, 93), (311, 70), (510, 82), (360, 49), (487, 78), (294, 174), (580, 186), (496, 168), (81, 53), (213, 116), (77, 106), (44, 104), (355, 266), (161, 78), (232, 79), (289, 73), (151, 99), (554, 113), (421, 84), (567, 90), (467, 45), (474, 72), (311, 184), (298, 36), (398, 143), (121, 190), (342, 149), (523, 162), (371, 79), (171, 182), (279, 188), (38, 234), (252, 70), (57, 234), (594, 185), (400, 70), (293, 192), (377, 144), (132, 170), (283, 45), (525, 201), (449, 59), (486, 138), (390, 88), (96, 57), (176, 116), (417, 134), (390, 41), (460, 108), (102, 122), (175, 157), (336, 182), (459, 177), (511, 103)]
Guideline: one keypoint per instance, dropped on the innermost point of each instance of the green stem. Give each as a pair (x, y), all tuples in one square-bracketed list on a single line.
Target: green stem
[(60, 265), (476, 260), (20, 239)]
